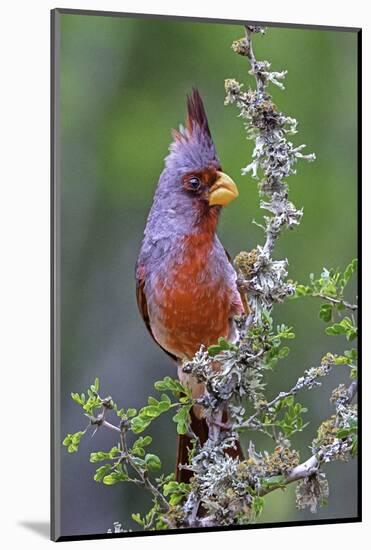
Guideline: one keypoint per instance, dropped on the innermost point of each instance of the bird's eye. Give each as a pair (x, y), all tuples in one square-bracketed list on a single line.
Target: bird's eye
[(194, 183)]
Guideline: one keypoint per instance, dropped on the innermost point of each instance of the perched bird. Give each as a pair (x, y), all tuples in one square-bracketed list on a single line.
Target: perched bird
[(186, 286)]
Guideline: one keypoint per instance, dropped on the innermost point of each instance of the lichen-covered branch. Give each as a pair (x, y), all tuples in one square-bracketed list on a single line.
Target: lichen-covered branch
[(274, 159)]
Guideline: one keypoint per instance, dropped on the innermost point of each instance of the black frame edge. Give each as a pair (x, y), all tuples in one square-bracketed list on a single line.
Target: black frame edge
[(54, 278), (102, 13)]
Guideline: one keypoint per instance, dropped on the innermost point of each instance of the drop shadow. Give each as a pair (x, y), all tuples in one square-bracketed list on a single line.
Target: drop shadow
[(41, 528)]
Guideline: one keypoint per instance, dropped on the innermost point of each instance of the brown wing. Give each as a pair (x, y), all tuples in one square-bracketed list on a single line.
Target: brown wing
[(143, 309)]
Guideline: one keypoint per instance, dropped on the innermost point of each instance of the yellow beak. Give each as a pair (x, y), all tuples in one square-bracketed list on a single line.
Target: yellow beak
[(223, 191)]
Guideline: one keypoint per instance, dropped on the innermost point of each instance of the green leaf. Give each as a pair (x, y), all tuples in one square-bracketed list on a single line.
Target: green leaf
[(354, 373), (139, 444), (349, 271), (152, 462), (101, 473), (165, 398), (222, 345), (283, 352), (274, 482), (138, 519), (151, 411), (325, 313), (335, 329), (177, 491), (285, 332), (340, 360), (164, 405), (138, 424), (257, 506), (175, 487), (115, 477), (352, 429), (104, 455), (152, 401), (176, 499), (213, 350), (345, 326), (169, 384), (72, 441), (143, 441), (110, 480), (352, 355), (77, 398), (302, 290), (182, 420)]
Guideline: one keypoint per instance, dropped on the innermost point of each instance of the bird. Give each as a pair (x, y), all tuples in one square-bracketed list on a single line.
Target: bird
[(186, 285)]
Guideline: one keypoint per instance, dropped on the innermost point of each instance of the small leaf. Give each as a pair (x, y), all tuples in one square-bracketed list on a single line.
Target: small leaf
[(257, 506), (166, 398), (76, 398), (138, 424), (274, 481), (325, 313), (213, 350), (164, 406), (151, 411), (301, 290), (335, 329), (152, 462), (72, 441), (152, 401), (169, 384), (110, 480), (283, 352), (137, 519), (176, 499), (349, 270), (182, 420), (101, 473)]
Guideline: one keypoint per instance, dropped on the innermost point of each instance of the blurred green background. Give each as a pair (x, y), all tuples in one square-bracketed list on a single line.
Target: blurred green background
[(123, 84)]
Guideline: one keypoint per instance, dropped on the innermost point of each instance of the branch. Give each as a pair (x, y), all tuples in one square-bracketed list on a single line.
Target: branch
[(274, 159), (306, 469), (312, 465), (309, 380), (143, 475), (260, 82), (336, 301), (352, 390)]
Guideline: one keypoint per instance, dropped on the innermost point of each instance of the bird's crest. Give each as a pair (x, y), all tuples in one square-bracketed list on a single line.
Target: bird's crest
[(196, 112), (193, 145)]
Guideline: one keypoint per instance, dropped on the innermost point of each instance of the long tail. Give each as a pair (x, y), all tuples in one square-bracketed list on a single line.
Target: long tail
[(199, 428)]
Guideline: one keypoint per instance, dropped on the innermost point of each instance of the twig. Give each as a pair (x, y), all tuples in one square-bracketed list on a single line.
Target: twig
[(347, 305), (301, 471), (309, 380), (110, 426), (260, 83), (352, 390), (162, 502)]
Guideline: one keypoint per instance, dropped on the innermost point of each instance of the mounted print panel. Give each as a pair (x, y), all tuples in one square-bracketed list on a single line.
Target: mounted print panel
[(205, 278)]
